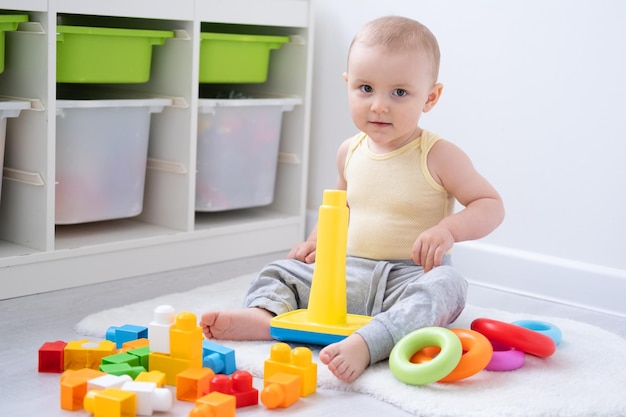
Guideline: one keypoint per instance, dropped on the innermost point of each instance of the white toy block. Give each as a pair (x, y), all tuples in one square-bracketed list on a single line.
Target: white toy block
[(107, 381), (159, 329), (149, 397)]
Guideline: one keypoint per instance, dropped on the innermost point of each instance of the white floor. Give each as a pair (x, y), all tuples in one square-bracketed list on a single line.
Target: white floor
[(27, 322)]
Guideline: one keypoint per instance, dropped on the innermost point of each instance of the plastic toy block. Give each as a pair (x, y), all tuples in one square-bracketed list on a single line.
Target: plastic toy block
[(238, 385), (143, 354), (280, 390), (51, 357), (150, 398), (298, 361), (186, 338), (156, 377), (159, 329), (325, 320), (215, 404), (219, 358), (85, 354), (122, 369), (111, 402), (126, 333), (74, 387), (135, 344), (118, 358), (193, 383), (169, 366), (107, 381)]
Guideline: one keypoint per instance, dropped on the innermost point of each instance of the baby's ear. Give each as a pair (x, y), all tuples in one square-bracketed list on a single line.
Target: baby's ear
[(433, 97), (345, 77)]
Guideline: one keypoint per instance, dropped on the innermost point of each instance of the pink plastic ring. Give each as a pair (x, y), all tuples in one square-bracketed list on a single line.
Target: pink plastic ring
[(505, 358)]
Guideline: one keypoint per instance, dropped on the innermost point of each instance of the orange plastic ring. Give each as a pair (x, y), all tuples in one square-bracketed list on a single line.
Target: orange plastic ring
[(477, 352)]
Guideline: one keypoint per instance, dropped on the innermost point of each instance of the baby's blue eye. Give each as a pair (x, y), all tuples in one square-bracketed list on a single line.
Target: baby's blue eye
[(400, 92), (366, 88)]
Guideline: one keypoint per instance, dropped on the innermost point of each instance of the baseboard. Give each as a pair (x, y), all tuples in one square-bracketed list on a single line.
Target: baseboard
[(564, 281)]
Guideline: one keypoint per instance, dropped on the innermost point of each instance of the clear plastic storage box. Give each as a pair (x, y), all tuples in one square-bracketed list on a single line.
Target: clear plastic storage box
[(101, 156), (238, 142)]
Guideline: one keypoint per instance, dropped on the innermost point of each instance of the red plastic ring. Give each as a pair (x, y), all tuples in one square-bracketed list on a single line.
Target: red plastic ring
[(520, 338)]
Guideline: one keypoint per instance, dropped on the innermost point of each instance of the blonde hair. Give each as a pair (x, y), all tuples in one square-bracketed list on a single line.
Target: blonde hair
[(400, 34)]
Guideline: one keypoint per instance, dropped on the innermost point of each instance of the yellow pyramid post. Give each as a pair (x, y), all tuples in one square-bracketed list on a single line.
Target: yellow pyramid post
[(326, 319)]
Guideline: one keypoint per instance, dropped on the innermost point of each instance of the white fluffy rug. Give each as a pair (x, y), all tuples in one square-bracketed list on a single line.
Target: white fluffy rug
[(585, 377)]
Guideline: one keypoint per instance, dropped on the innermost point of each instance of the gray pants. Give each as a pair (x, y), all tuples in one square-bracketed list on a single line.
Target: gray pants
[(398, 294)]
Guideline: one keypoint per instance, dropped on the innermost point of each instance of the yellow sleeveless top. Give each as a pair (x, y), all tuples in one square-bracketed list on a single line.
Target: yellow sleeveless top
[(392, 198)]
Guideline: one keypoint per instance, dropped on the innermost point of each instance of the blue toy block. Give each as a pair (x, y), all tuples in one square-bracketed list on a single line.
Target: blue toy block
[(126, 333), (220, 359)]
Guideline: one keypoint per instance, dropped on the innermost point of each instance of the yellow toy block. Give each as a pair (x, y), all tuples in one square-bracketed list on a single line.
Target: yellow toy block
[(74, 387), (193, 383), (170, 366), (156, 377), (280, 390), (186, 338), (111, 402), (297, 361), (80, 354), (215, 404)]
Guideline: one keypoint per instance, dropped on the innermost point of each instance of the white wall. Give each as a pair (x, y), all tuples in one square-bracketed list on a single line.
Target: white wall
[(534, 92)]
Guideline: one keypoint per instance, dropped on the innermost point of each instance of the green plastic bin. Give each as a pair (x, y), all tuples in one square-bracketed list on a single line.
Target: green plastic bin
[(106, 55), (8, 23), (233, 58)]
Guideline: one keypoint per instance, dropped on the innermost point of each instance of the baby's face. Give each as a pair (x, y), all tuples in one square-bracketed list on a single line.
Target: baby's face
[(388, 92)]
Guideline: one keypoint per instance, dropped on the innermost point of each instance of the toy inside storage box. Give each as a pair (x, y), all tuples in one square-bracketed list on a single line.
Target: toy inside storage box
[(234, 58), (8, 109), (238, 142), (106, 55), (8, 23), (101, 156)]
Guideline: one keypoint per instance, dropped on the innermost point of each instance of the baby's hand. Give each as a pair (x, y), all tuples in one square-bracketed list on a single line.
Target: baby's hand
[(431, 246), (303, 252)]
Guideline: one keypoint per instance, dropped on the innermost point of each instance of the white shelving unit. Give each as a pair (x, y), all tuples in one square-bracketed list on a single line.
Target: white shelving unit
[(37, 256)]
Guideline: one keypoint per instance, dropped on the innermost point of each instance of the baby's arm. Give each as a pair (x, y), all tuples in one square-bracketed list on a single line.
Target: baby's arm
[(305, 251), (483, 209)]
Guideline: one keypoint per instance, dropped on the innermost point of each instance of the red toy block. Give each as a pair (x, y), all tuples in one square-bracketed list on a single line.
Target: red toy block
[(193, 383), (51, 357), (214, 404), (238, 385), (280, 390)]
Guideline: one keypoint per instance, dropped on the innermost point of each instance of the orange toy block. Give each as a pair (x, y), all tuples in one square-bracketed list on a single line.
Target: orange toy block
[(80, 354), (280, 390), (51, 357), (214, 404), (168, 365), (298, 361), (156, 377), (135, 344), (193, 383), (74, 387), (238, 385), (111, 402), (186, 339)]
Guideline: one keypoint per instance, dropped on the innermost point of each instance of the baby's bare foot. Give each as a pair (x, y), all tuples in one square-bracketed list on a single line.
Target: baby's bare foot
[(245, 324), (347, 359)]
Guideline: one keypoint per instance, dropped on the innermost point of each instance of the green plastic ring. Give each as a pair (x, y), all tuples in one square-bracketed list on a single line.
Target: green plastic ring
[(431, 371)]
